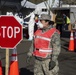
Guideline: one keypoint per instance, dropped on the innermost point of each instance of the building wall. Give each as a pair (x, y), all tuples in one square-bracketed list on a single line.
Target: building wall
[(73, 14)]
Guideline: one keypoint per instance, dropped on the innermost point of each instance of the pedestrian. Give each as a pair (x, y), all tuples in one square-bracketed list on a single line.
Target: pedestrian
[(46, 47), (31, 25), (36, 21), (66, 22), (59, 23), (19, 18)]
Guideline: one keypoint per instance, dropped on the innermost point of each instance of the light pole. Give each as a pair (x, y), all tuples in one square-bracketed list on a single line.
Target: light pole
[(59, 3)]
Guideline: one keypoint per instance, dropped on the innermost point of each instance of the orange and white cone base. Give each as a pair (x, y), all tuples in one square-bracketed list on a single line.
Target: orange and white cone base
[(14, 69)]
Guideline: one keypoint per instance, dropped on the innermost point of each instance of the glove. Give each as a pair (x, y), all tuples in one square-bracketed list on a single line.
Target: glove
[(52, 64), (29, 56), (28, 59)]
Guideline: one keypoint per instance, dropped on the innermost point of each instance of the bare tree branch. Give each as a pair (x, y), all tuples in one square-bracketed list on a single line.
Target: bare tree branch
[(71, 2)]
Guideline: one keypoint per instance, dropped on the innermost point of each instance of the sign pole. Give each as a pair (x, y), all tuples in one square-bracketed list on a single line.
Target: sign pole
[(7, 61), (11, 31)]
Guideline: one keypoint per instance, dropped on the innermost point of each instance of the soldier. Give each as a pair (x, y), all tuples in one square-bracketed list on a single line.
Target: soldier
[(46, 47)]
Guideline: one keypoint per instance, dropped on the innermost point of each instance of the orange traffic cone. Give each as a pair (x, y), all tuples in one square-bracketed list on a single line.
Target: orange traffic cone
[(71, 43), (0, 68), (14, 70), (75, 40)]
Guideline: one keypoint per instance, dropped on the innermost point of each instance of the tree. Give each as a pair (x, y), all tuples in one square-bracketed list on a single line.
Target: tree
[(71, 2), (36, 1)]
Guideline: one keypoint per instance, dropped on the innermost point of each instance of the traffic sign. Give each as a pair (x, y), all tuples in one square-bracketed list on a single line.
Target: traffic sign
[(10, 32)]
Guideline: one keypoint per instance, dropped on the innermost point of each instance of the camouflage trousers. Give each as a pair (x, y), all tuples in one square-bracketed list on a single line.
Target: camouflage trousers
[(42, 68)]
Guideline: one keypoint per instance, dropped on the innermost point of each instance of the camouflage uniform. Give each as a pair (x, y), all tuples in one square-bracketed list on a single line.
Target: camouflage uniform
[(41, 67)]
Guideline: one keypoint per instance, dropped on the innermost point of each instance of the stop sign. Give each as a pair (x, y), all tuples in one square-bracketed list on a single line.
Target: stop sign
[(10, 32)]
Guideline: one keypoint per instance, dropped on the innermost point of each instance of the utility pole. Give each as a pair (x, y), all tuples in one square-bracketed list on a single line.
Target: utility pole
[(59, 2), (49, 6)]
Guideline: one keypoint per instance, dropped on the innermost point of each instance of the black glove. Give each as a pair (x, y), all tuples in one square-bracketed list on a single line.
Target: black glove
[(29, 56), (52, 64), (28, 59)]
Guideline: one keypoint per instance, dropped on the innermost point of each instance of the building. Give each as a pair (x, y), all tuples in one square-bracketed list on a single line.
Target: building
[(10, 6)]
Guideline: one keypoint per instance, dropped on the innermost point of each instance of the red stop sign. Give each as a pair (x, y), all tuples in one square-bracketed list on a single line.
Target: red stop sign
[(10, 32)]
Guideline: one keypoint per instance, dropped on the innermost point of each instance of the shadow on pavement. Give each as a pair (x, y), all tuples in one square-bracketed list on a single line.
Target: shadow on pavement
[(3, 70), (24, 71)]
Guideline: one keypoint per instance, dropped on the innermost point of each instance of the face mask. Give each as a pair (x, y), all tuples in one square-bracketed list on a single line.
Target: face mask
[(40, 25)]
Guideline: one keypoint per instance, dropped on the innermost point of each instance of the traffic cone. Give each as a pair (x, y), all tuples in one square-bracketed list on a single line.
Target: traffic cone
[(14, 69), (71, 43), (75, 40), (0, 68)]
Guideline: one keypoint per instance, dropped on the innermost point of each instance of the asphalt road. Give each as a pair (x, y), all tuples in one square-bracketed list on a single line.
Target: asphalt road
[(67, 59)]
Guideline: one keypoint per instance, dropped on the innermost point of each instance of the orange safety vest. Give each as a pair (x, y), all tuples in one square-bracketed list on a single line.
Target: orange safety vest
[(42, 43)]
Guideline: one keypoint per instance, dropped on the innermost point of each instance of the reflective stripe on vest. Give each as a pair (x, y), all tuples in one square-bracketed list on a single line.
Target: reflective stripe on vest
[(41, 53), (42, 42), (42, 50), (44, 38)]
